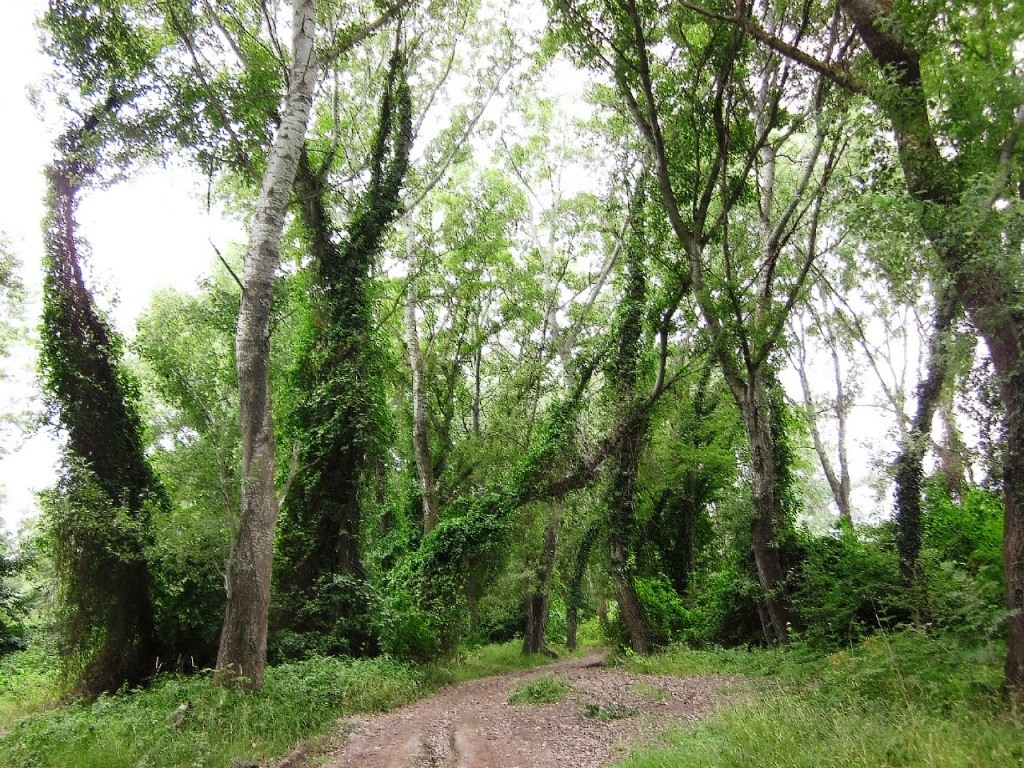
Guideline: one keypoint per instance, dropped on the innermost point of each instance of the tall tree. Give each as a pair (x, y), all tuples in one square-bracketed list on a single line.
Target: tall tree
[(947, 82), (716, 120), (340, 420), (98, 542), (983, 279), (241, 658), (99, 515)]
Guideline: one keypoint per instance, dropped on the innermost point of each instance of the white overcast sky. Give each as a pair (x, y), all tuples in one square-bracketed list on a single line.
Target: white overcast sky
[(150, 232)]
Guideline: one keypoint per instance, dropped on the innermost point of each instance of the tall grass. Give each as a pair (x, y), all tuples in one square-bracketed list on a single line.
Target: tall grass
[(180, 722), (900, 700)]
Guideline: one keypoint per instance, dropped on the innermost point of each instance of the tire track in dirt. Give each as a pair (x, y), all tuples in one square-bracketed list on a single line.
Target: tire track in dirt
[(606, 712)]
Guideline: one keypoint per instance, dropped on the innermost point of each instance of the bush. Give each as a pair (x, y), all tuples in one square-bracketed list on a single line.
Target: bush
[(722, 610), (846, 588), (403, 629), (666, 617)]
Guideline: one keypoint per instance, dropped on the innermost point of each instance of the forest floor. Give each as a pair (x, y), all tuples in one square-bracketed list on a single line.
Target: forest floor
[(603, 712)]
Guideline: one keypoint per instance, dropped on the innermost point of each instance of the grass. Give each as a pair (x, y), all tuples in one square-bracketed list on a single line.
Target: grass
[(904, 700), (607, 712), (548, 689), (216, 728)]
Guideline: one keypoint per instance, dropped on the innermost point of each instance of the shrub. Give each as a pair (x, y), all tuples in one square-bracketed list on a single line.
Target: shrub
[(846, 588)]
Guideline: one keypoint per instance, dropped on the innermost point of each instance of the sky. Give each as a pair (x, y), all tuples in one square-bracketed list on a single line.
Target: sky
[(149, 232)]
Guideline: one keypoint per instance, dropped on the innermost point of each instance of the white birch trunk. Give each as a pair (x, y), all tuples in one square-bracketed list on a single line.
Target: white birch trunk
[(241, 658)]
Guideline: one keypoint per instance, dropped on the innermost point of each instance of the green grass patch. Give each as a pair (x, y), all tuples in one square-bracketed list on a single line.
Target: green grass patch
[(903, 700), (186, 722), (548, 689), (487, 660)]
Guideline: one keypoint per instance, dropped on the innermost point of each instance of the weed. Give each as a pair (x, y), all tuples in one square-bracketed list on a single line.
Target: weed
[(905, 699), (607, 712), (549, 689), (649, 692)]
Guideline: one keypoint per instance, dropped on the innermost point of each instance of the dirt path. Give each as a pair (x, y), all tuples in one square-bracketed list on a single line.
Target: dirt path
[(472, 726)]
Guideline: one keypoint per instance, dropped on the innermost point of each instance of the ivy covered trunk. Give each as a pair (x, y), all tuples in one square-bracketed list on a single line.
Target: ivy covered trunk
[(342, 418), (538, 592), (910, 462), (99, 515), (768, 518), (625, 460), (241, 658), (574, 598), (985, 283)]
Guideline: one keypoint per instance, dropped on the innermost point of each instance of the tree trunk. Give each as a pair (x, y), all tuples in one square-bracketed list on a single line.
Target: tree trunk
[(241, 659), (342, 398), (621, 497), (952, 450), (986, 287), (538, 593), (104, 586), (420, 440), (910, 463), (768, 519)]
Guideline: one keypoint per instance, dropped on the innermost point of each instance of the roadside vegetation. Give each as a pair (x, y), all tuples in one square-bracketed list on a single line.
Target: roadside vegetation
[(180, 721), (895, 699)]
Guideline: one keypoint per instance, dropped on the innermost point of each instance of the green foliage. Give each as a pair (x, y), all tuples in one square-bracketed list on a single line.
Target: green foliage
[(903, 699), (30, 680), (13, 607), (340, 419), (847, 587), (608, 711), (968, 532), (720, 604), (663, 610), (547, 689), (218, 727), (404, 630)]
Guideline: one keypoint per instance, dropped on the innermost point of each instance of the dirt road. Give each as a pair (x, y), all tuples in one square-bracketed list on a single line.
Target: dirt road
[(471, 725)]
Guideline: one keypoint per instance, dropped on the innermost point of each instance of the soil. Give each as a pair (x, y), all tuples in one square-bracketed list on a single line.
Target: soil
[(606, 712)]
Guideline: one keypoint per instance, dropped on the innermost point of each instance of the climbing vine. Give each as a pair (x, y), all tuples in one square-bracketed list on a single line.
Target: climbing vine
[(342, 415)]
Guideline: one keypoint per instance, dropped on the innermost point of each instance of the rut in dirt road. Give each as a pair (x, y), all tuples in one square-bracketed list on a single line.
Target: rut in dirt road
[(605, 713)]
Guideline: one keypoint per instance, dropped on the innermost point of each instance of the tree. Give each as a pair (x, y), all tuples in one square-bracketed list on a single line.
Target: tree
[(340, 420), (944, 79), (745, 264), (242, 656), (98, 518)]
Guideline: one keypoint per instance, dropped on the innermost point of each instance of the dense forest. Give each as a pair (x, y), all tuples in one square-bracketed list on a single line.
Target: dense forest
[(554, 324)]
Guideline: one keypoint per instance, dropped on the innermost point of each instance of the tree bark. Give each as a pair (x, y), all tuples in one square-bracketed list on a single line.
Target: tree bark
[(575, 592), (420, 437), (910, 463), (621, 497), (241, 659), (986, 287), (768, 518), (538, 594)]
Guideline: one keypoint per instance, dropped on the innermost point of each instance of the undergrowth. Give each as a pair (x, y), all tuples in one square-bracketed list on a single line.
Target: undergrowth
[(548, 689), (904, 699), (185, 722)]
